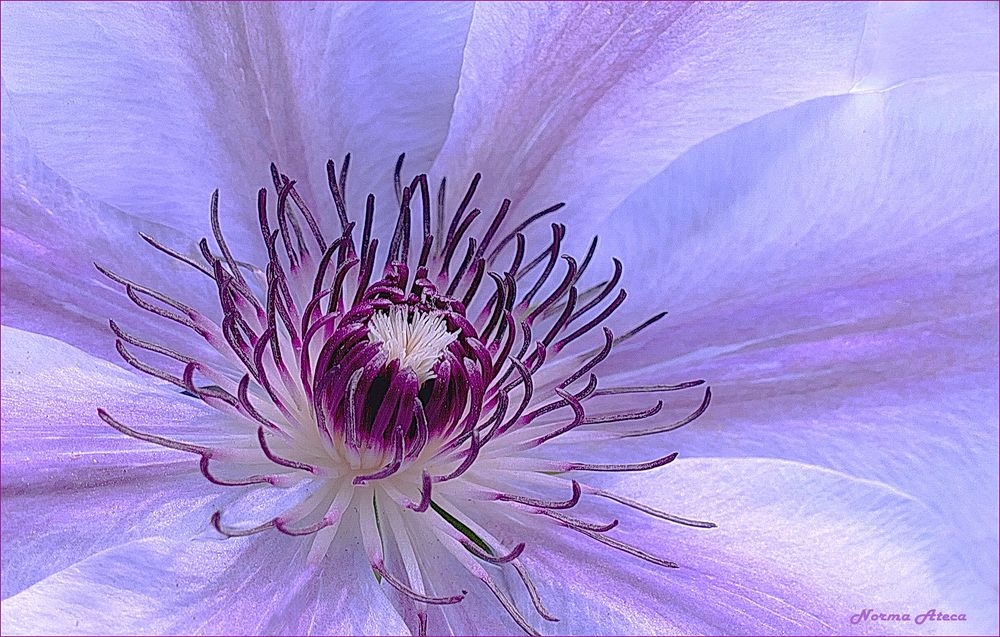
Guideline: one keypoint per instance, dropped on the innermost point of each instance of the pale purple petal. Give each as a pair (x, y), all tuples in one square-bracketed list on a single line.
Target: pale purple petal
[(798, 550), (54, 233), (904, 41), (240, 586), (585, 102), (151, 106), (843, 310), (72, 486)]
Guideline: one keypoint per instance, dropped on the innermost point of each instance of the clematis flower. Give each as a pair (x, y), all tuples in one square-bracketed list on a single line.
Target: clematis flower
[(432, 387)]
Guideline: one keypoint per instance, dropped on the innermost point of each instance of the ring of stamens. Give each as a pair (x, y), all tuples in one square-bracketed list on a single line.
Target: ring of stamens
[(466, 351)]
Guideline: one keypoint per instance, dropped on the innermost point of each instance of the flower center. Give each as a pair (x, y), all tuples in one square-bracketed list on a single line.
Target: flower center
[(419, 401), (414, 339), (402, 367)]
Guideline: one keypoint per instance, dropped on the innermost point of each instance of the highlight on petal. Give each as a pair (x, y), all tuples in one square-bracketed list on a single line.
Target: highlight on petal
[(905, 41)]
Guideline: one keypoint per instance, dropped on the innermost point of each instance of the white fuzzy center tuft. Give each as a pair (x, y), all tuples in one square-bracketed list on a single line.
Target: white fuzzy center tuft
[(415, 339)]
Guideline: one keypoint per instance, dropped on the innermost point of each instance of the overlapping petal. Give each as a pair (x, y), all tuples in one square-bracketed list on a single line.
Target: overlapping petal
[(616, 91), (832, 272)]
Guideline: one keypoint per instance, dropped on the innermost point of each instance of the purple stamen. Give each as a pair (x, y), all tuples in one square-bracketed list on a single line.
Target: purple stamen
[(470, 458), (559, 291), (147, 369), (454, 240), (494, 226), (156, 440), (242, 482), (335, 190), (640, 389), (536, 599), (146, 345), (388, 469), (605, 291), (425, 494), (511, 609), (174, 254), (231, 533), (453, 229), (630, 415), (579, 418), (589, 365), (680, 423), (558, 231), (244, 400), (605, 313), (545, 504), (579, 525), (650, 510), (412, 594), (520, 228), (486, 557), (281, 526), (276, 459), (636, 466), (629, 334), (628, 548)]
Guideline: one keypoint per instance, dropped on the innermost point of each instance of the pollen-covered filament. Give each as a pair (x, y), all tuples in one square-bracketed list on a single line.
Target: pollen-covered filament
[(415, 339), (417, 395)]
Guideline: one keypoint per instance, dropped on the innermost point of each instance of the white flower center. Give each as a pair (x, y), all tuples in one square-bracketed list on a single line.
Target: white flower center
[(415, 339)]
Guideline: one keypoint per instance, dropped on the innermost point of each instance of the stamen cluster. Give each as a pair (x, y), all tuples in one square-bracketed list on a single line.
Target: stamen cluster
[(411, 393)]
